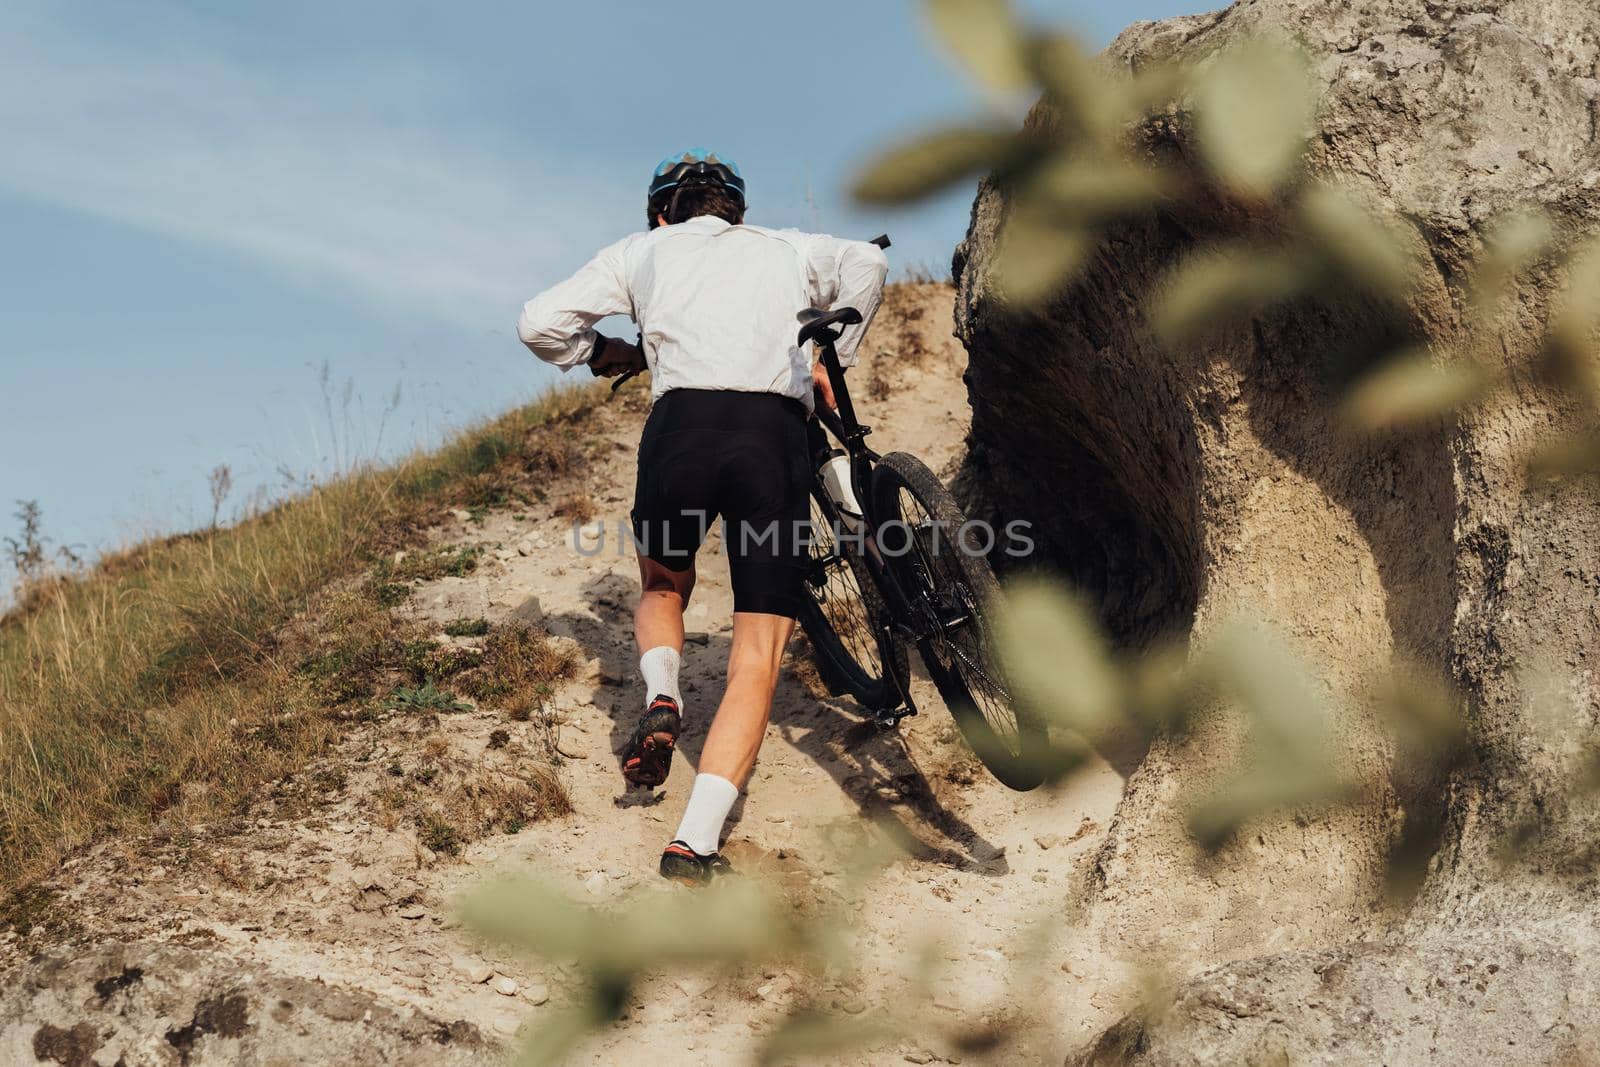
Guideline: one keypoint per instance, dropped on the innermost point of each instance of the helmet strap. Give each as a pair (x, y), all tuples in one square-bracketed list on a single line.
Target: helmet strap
[(672, 205)]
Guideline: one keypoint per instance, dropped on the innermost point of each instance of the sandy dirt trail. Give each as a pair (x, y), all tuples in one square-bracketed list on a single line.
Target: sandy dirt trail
[(339, 897)]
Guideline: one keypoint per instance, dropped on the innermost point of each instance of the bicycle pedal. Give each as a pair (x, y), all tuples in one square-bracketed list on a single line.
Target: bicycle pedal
[(889, 718)]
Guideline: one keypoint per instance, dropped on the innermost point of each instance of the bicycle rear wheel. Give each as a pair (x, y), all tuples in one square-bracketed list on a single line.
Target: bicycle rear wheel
[(955, 590), (840, 614)]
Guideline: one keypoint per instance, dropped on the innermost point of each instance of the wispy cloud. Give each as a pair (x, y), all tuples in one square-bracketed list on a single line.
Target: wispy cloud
[(309, 173)]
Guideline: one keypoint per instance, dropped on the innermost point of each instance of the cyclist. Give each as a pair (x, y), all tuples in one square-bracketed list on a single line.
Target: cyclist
[(716, 302)]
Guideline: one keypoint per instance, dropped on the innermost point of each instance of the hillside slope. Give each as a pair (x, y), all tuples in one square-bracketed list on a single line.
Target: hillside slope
[(328, 898)]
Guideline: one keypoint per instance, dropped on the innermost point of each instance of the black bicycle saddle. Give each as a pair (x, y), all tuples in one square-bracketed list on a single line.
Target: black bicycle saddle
[(817, 323)]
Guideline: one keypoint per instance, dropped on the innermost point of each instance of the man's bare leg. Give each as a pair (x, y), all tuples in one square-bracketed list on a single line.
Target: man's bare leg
[(658, 628), (730, 751), (741, 722), (663, 597)]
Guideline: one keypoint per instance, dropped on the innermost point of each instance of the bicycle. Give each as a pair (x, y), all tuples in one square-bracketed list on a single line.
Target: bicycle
[(867, 602)]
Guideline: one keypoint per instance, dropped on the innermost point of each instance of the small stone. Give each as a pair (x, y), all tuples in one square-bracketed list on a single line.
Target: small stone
[(1087, 826), (919, 1056), (461, 515), (537, 994), (595, 882), (474, 971), (525, 548), (412, 911), (1048, 841), (506, 987)]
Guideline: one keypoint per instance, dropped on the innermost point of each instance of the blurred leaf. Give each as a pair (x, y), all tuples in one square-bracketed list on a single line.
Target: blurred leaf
[(1431, 739), (928, 164), (1567, 457), (1290, 764), (1078, 93), (1427, 715), (1038, 254), (1155, 85), (1223, 284), (1253, 105), (1163, 692), (1412, 387), (984, 36), (1058, 661), (734, 919), (812, 1033), (1513, 244), (1288, 713), (554, 1039), (532, 917), (1363, 248), (1555, 709), (1572, 334), (1097, 190)]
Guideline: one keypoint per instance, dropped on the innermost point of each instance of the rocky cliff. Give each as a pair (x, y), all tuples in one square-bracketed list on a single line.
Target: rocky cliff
[(1183, 484)]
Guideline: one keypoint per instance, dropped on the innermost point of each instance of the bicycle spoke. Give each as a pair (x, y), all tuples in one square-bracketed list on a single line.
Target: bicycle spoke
[(839, 596), (961, 649)]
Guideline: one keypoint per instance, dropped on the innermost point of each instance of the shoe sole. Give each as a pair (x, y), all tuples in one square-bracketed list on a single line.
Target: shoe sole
[(655, 760), (687, 883)]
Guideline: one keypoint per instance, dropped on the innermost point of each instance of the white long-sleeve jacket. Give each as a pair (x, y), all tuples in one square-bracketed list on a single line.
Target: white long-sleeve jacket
[(715, 303)]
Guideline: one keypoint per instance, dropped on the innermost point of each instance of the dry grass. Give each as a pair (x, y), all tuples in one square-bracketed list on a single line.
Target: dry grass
[(166, 675), (453, 798), (521, 666), (579, 507)]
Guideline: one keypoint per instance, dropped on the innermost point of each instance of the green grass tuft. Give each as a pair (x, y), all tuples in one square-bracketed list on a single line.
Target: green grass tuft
[(467, 628)]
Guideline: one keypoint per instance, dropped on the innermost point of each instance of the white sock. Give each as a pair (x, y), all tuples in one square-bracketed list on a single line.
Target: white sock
[(709, 803), (660, 669)]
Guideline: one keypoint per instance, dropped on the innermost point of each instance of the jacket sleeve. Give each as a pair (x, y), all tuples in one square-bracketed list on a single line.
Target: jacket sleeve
[(847, 274), (558, 324)]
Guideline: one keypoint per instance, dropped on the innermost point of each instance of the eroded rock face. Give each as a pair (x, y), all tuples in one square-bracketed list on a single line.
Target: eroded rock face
[(1178, 487), (1507, 1000), (142, 1004)]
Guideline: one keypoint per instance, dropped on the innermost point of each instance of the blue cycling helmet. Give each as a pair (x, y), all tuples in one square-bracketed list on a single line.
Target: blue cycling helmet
[(694, 166)]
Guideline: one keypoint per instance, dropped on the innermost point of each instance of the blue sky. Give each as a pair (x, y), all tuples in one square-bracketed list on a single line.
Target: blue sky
[(203, 205)]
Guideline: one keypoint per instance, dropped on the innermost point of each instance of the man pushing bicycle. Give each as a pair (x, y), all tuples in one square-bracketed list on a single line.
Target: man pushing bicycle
[(716, 304)]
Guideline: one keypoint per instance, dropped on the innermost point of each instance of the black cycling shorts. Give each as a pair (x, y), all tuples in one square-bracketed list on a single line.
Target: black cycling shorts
[(739, 456)]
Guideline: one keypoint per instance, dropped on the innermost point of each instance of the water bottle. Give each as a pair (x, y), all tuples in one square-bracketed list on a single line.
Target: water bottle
[(836, 480)]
